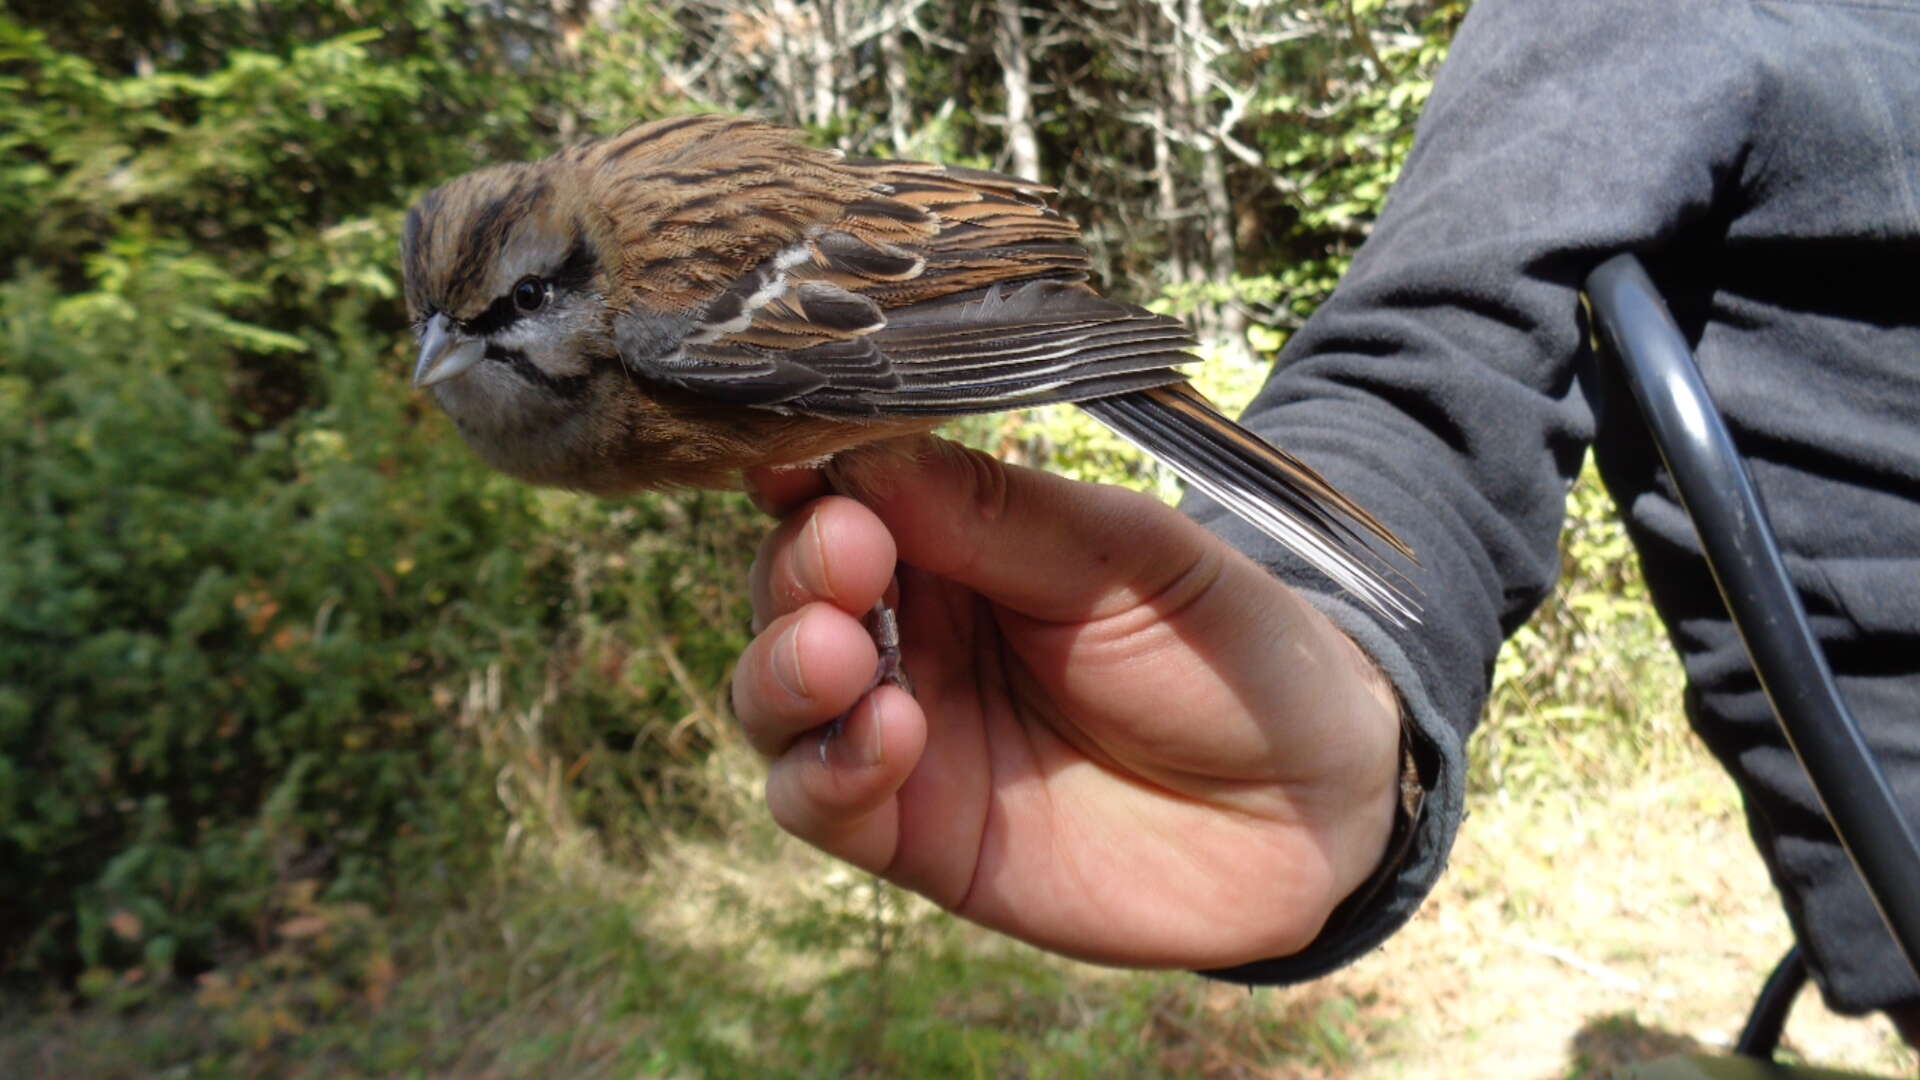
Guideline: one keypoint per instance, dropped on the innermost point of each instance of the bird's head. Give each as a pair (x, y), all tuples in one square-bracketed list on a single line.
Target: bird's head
[(507, 291)]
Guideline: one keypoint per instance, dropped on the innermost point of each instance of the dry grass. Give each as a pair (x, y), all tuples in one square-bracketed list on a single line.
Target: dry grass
[(1575, 930), (1579, 930)]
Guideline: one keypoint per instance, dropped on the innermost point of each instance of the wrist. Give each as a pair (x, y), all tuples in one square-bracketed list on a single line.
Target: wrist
[(1409, 799), (1382, 847)]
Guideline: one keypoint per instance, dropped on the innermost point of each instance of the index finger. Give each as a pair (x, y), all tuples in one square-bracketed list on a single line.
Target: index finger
[(1040, 545)]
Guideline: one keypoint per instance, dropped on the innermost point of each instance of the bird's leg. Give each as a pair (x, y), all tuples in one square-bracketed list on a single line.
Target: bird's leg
[(884, 624)]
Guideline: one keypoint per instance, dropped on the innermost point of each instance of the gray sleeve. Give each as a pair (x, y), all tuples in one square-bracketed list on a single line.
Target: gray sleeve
[(1440, 386)]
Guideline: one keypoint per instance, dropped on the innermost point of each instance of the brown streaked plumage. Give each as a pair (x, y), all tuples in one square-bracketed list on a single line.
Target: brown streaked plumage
[(699, 296)]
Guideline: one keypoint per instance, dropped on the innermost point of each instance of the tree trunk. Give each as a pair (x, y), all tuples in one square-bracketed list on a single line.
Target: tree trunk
[(825, 59), (1010, 48), (893, 62), (784, 23), (1230, 320), (1168, 196)]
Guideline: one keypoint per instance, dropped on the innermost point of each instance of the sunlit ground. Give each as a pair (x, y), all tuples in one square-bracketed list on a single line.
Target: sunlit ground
[(1572, 933), (1581, 930)]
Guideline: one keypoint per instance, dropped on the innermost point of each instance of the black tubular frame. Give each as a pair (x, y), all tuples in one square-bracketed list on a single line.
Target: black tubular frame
[(1769, 1016), (1752, 578)]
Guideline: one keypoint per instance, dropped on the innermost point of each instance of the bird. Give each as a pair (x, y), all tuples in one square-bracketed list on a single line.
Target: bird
[(695, 297)]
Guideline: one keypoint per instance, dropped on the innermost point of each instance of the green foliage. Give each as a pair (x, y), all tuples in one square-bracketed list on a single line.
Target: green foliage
[(219, 648), (1590, 687), (1333, 122), (814, 972), (246, 575)]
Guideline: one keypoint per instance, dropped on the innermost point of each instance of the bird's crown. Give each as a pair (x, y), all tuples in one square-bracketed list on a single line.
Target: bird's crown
[(468, 243)]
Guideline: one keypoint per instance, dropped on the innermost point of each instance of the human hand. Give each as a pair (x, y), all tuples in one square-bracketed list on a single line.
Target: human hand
[(1128, 743)]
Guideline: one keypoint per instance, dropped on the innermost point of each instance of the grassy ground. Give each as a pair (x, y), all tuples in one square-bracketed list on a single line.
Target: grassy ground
[(1575, 931)]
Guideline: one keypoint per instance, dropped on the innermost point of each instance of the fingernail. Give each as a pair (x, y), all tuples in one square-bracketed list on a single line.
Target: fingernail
[(786, 663)]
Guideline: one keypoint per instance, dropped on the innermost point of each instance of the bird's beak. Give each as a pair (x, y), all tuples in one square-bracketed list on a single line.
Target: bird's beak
[(444, 354)]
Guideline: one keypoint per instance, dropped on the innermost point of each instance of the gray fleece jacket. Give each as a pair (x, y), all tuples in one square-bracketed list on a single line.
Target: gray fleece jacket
[(1763, 157)]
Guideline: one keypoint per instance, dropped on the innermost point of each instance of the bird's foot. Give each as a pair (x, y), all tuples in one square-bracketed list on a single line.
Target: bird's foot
[(884, 624)]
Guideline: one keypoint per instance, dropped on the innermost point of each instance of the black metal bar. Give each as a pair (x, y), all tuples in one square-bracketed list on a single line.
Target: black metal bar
[(1761, 1037), (1752, 578)]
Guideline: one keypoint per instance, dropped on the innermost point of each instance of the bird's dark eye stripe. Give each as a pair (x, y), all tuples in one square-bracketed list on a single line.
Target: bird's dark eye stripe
[(563, 386), (499, 315)]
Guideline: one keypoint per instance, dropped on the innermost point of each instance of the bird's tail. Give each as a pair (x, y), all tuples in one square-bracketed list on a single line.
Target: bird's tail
[(1274, 491)]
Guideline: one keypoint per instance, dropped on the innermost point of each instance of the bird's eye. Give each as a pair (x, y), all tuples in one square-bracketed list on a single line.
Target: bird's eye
[(530, 294)]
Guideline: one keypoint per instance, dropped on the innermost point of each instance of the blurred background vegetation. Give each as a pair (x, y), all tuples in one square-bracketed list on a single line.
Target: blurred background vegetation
[(321, 746)]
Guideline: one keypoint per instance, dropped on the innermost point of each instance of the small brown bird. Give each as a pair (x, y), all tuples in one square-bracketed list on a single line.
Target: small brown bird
[(695, 297)]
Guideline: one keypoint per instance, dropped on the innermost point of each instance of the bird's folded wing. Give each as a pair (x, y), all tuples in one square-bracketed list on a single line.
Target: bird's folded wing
[(871, 287), (823, 351)]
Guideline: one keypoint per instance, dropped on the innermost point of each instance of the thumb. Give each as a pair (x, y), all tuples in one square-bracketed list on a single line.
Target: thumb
[(1045, 546)]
